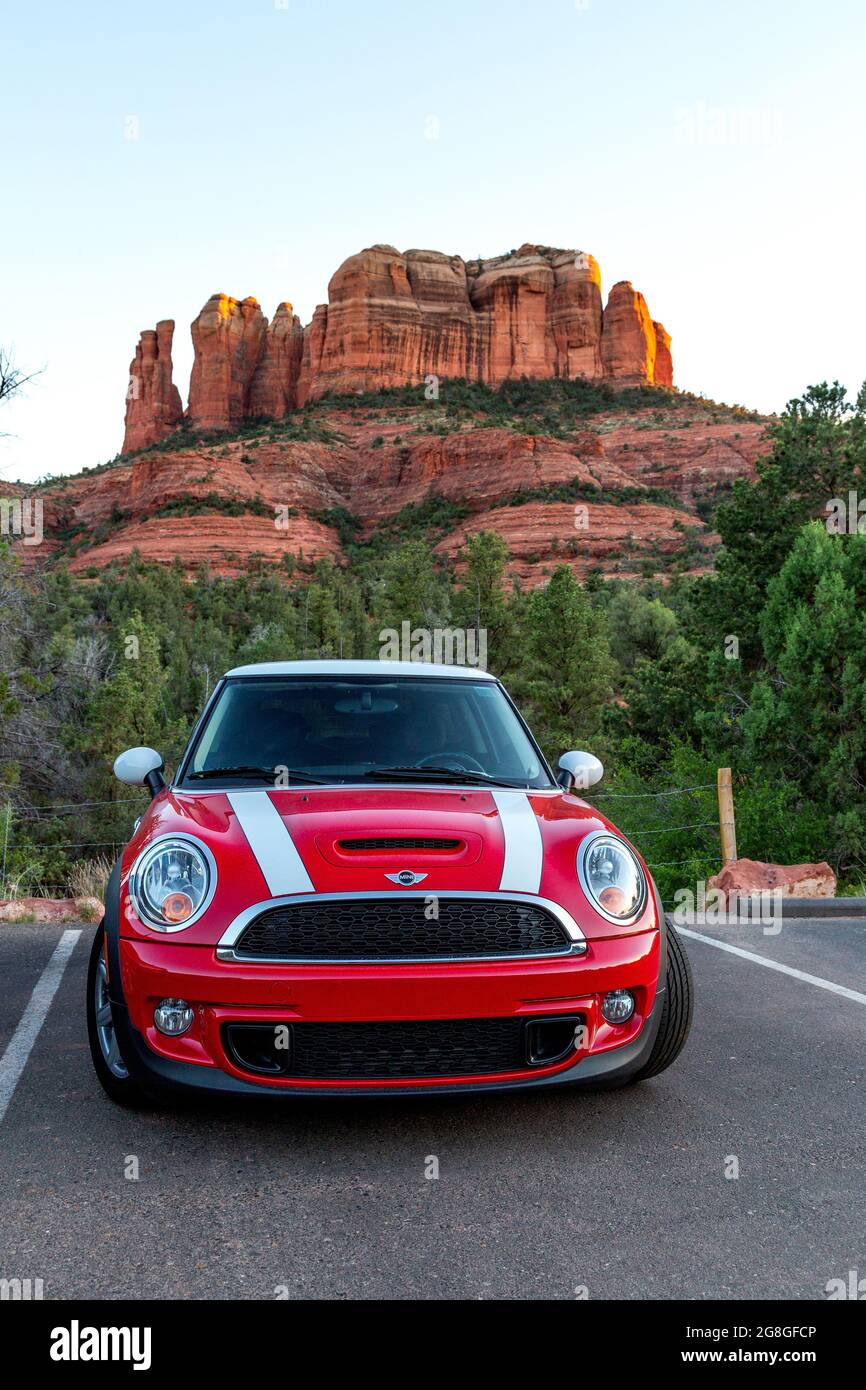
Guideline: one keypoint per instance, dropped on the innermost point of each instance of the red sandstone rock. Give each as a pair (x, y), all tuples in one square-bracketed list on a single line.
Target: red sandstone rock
[(541, 535), (225, 543), (687, 455), (628, 338), (475, 466), (575, 315), (748, 876), (391, 319), (514, 293), (229, 340), (663, 374), (153, 405), (686, 451), (273, 391), (394, 318), (51, 910)]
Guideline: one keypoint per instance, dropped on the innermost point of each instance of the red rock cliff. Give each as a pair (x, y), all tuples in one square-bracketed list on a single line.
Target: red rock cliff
[(393, 318), (153, 404), (229, 338), (398, 317)]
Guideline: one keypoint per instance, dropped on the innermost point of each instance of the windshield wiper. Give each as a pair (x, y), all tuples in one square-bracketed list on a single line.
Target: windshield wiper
[(438, 774), (288, 775)]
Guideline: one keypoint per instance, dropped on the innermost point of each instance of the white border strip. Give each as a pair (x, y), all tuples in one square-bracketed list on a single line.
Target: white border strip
[(524, 851), (20, 1045), (775, 965), (273, 847)]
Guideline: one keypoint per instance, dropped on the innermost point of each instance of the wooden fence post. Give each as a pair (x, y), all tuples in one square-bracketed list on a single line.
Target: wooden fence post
[(727, 826)]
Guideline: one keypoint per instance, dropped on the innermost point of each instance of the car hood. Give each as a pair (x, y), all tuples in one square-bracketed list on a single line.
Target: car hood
[(274, 843)]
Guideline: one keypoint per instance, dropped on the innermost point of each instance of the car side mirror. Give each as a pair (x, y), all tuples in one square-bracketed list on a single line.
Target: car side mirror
[(139, 765), (577, 771)]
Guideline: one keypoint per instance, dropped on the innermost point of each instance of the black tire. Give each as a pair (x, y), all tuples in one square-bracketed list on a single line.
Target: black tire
[(677, 1010), (108, 1063)]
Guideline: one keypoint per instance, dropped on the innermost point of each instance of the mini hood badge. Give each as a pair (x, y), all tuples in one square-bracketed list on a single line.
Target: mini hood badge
[(406, 878)]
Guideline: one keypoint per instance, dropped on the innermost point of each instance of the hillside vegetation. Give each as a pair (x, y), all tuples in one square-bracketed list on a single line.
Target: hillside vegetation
[(761, 665)]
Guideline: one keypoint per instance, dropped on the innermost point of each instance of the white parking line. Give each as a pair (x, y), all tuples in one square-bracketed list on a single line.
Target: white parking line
[(775, 965), (14, 1059)]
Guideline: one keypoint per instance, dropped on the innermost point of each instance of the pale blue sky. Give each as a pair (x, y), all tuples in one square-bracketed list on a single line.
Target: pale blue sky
[(709, 152)]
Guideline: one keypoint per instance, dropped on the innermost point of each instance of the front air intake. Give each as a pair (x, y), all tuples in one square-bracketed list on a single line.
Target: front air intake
[(401, 1050)]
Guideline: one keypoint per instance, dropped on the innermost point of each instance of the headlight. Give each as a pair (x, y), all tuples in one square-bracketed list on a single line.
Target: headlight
[(173, 882), (611, 876)]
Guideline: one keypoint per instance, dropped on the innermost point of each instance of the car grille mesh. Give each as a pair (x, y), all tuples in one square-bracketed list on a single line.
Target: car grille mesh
[(399, 928), (401, 842), (385, 1051)]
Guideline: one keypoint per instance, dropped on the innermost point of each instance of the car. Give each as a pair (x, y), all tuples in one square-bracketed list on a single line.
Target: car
[(365, 879)]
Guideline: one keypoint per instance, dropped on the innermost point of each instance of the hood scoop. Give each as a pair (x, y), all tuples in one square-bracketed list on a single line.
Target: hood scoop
[(389, 849), (380, 843)]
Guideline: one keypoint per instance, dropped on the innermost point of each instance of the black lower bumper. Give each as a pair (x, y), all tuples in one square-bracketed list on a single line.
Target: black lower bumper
[(161, 1075)]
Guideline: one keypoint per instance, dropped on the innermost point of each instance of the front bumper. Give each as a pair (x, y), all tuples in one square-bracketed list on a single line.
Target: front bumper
[(142, 973)]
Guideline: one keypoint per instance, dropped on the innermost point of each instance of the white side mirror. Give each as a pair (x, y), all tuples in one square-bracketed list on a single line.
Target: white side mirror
[(579, 771), (139, 765)]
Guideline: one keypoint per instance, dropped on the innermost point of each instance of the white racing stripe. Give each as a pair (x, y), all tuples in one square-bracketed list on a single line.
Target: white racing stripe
[(14, 1059), (775, 965), (524, 851), (272, 845)]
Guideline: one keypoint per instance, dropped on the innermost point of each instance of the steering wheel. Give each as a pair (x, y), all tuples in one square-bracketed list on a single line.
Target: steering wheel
[(465, 762)]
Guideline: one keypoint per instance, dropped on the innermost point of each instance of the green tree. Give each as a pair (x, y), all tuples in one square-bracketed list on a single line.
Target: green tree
[(570, 671), (640, 628), (411, 590), (480, 600), (807, 711), (817, 453), (129, 708)]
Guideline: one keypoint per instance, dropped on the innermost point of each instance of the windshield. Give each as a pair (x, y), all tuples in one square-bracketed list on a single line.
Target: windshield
[(331, 729)]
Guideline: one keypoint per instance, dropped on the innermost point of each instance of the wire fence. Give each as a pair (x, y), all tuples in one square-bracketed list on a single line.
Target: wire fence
[(678, 851), (37, 859), (641, 816)]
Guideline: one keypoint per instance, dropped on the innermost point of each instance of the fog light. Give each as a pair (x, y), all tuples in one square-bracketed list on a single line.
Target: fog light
[(618, 1006), (173, 1016)]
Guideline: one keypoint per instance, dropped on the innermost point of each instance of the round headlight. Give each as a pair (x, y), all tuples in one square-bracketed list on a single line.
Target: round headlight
[(173, 882), (611, 877)]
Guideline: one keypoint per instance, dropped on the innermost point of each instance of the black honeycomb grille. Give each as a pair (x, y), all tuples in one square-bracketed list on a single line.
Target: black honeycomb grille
[(385, 1051), (399, 928)]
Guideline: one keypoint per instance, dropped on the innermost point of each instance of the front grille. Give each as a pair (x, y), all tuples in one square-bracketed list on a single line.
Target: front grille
[(400, 1050), (390, 1051), (401, 842), (379, 1051), (398, 928)]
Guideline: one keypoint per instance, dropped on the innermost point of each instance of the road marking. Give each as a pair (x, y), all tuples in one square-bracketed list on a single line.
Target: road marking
[(14, 1059), (775, 965)]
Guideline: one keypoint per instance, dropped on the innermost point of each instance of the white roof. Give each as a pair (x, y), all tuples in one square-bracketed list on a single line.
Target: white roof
[(357, 668)]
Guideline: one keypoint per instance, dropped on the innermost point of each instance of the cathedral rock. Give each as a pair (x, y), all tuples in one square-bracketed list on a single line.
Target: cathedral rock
[(394, 318)]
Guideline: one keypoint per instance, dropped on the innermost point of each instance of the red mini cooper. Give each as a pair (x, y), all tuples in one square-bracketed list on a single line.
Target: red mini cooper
[(365, 879)]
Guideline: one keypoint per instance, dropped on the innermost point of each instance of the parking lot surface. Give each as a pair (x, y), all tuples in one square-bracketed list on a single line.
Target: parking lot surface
[(738, 1173)]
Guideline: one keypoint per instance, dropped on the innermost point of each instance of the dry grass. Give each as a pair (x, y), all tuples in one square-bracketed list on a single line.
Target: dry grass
[(89, 878)]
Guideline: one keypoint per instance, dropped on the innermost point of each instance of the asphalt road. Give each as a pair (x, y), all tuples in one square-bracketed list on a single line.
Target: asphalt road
[(538, 1196)]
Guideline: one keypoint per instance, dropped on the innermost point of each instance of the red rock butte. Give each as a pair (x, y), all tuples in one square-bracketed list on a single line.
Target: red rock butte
[(394, 319)]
